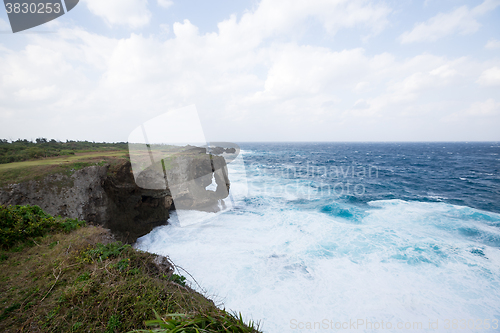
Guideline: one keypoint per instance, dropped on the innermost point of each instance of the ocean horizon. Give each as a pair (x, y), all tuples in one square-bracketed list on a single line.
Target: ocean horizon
[(351, 236)]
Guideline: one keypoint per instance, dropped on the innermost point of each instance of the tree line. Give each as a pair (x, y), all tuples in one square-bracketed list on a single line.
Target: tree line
[(23, 150)]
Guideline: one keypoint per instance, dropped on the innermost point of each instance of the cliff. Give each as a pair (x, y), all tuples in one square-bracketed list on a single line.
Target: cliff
[(108, 195)]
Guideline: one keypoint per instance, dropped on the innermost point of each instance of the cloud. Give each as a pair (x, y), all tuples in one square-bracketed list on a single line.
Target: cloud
[(493, 44), (477, 110), (462, 21), (490, 77), (484, 109), (38, 89), (131, 13), (290, 17), (103, 87), (246, 83), (165, 3)]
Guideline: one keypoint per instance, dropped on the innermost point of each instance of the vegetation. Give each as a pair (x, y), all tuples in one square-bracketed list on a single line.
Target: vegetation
[(17, 172), (24, 150), (67, 277), (22, 224), (205, 322)]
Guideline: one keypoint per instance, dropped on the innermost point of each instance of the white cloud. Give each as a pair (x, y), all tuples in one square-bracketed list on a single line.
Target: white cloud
[(132, 13), (165, 3), (477, 111), (279, 17), (484, 109), (490, 77), (462, 20), (39, 88), (485, 7), (303, 90), (246, 84), (493, 44), (310, 70)]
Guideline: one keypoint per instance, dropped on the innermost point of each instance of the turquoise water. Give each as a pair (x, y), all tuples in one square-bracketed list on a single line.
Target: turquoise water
[(352, 236)]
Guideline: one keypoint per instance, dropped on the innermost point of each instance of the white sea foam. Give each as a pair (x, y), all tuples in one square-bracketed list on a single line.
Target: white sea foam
[(398, 262)]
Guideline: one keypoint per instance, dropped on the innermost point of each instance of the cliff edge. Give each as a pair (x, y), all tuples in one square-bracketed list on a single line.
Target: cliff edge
[(107, 194)]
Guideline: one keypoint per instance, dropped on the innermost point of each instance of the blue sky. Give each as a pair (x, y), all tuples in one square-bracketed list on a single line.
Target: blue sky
[(336, 70)]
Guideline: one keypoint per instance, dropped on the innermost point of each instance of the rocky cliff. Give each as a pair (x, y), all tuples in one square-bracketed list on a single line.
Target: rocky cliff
[(110, 196)]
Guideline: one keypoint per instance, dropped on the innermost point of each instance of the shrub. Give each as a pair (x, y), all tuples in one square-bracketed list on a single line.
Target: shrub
[(20, 224), (179, 279)]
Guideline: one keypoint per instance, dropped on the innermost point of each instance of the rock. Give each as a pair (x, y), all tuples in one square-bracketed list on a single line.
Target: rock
[(114, 200), (217, 150)]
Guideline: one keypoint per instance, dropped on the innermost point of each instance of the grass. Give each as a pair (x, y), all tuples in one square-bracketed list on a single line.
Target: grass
[(206, 322), (62, 159), (17, 172), (83, 281), (24, 150)]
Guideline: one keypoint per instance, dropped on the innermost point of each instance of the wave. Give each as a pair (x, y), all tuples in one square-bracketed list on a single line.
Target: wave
[(395, 261)]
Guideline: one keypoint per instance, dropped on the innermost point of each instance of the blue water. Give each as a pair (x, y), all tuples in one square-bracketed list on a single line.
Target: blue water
[(327, 234)]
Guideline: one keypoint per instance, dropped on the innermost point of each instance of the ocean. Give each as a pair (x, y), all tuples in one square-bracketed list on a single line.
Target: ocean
[(355, 237)]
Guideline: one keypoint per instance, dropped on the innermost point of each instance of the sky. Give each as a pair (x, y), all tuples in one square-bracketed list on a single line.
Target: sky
[(269, 70)]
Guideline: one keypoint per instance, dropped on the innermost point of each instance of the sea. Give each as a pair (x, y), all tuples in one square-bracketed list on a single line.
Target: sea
[(350, 237)]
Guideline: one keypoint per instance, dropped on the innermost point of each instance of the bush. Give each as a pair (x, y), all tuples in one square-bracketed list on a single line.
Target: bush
[(20, 224), (179, 279)]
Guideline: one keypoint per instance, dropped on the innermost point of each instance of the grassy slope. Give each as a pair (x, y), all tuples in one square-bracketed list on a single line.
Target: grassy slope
[(62, 159), (24, 150), (61, 285), (16, 172)]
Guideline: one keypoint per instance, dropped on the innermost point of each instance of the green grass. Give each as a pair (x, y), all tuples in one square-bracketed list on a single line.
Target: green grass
[(81, 281), (24, 150), (17, 172), (62, 159), (207, 322)]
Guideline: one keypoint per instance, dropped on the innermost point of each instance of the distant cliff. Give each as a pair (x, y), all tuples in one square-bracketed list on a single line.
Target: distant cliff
[(109, 196)]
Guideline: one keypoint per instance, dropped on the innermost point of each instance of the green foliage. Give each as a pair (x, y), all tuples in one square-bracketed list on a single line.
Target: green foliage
[(84, 277), (122, 264), (71, 282), (76, 326), (102, 252), (113, 324), (23, 150), (217, 321), (9, 309), (71, 224), (21, 224), (179, 279)]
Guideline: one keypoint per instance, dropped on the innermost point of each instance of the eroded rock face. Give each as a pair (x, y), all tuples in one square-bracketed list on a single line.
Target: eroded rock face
[(198, 182), (115, 201), (80, 195), (133, 211)]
